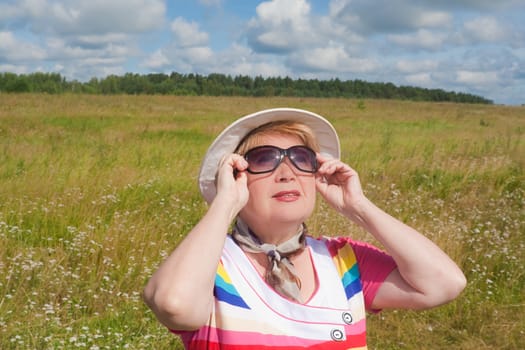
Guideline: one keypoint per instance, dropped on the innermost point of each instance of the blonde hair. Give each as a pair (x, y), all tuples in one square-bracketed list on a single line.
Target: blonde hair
[(283, 127)]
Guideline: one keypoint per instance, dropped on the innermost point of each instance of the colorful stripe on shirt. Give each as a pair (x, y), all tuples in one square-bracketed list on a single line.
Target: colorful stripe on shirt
[(346, 263), (225, 291), (213, 338)]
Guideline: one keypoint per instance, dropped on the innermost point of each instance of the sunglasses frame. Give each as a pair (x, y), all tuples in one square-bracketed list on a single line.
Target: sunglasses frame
[(282, 154)]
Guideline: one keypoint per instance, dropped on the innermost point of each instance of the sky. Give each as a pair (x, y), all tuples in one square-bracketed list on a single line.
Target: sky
[(471, 46)]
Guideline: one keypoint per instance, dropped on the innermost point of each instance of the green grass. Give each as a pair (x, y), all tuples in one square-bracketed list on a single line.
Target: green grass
[(95, 191)]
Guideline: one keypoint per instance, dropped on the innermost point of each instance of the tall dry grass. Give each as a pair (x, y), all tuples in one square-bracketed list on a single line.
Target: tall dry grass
[(95, 191)]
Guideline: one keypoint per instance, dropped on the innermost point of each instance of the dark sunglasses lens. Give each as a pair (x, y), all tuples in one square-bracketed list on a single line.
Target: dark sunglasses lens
[(263, 159), (303, 158)]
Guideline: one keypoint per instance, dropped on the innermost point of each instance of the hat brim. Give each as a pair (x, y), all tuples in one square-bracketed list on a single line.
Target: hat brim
[(229, 139)]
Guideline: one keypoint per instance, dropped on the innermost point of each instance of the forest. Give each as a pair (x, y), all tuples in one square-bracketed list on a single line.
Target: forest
[(226, 85)]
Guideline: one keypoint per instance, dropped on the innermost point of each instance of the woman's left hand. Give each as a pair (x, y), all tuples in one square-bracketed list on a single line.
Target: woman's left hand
[(339, 185)]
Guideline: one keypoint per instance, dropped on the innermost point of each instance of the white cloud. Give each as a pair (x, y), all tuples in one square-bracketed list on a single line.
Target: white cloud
[(9, 11), (332, 58), (281, 26), (59, 49), (184, 60), (157, 60), (422, 39), (15, 50), (419, 79), (244, 61), (197, 55), (276, 13), (415, 66), (12, 68), (477, 78), (370, 17), (336, 7), (101, 16), (211, 3), (103, 39), (103, 61), (257, 68), (7, 41), (80, 39), (329, 30), (188, 34), (241, 60), (78, 17), (471, 5), (485, 29), (187, 51), (433, 19)]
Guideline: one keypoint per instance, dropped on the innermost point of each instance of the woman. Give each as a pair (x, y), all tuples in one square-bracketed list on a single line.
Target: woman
[(269, 283)]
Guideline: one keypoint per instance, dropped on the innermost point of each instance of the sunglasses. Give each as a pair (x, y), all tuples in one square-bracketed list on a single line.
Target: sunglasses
[(265, 159)]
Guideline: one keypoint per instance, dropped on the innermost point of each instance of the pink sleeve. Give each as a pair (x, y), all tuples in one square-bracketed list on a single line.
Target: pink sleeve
[(374, 267)]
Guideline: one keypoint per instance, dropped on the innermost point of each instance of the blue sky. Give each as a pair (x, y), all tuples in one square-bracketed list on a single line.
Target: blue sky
[(473, 46)]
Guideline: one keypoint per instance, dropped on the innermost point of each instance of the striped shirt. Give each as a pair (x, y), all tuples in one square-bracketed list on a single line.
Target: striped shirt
[(249, 314)]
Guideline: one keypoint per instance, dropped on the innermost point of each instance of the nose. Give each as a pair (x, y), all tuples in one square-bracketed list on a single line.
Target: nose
[(285, 171)]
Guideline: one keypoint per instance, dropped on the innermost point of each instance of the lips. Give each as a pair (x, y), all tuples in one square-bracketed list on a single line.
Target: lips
[(287, 195)]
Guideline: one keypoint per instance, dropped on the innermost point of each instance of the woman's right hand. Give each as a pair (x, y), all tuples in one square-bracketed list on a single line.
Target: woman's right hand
[(232, 182)]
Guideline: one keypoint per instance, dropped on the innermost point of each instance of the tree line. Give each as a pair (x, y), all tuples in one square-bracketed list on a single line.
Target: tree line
[(226, 85)]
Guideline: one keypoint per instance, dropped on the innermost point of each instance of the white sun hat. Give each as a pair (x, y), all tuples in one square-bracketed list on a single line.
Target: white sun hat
[(229, 139)]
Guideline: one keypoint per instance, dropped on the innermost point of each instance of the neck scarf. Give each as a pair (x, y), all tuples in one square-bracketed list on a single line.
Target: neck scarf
[(280, 274)]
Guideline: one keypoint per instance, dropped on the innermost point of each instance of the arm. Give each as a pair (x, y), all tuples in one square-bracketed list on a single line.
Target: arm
[(180, 292), (425, 276)]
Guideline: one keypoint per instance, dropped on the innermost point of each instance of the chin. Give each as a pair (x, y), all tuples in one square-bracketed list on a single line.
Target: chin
[(291, 215)]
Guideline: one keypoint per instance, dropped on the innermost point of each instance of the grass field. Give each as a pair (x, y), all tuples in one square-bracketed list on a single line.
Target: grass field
[(96, 190)]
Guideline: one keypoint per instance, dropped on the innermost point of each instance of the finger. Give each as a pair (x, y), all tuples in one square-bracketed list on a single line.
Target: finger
[(322, 158), (321, 184), (234, 161), (333, 166), (240, 165)]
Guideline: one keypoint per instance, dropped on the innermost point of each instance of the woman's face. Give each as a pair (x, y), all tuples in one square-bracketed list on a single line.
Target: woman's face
[(286, 195)]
